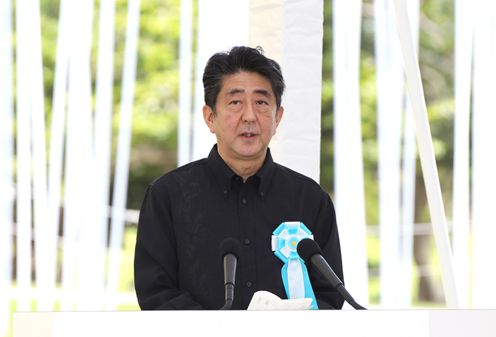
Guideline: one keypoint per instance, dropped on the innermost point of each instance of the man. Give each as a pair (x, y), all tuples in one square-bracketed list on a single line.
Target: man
[(239, 192)]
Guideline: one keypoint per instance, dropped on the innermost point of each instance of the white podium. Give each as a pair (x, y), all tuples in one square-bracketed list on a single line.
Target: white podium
[(371, 323)]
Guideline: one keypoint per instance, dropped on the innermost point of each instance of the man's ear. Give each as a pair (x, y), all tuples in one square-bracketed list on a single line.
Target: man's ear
[(279, 114), (208, 116)]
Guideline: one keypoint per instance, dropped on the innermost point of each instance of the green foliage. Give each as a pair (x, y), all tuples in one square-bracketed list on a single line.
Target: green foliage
[(154, 130), (155, 110), (327, 122)]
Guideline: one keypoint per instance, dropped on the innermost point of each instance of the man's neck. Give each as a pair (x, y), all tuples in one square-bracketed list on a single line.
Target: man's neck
[(245, 168)]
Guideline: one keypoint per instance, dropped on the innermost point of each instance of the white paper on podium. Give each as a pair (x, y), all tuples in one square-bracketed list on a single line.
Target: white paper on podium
[(264, 300)]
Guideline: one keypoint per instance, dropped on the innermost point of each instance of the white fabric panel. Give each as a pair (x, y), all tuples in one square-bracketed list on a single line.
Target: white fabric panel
[(185, 83), (266, 28), (464, 29), (348, 159), (6, 160), (24, 105), (389, 119), (426, 150), (124, 144), (483, 160), (297, 141), (222, 24), (291, 33), (409, 177)]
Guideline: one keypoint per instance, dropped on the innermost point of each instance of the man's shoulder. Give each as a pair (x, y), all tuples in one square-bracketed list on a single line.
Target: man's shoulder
[(186, 172), (290, 175)]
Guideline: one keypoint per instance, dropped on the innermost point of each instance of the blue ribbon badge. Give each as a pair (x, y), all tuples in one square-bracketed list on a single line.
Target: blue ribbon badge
[(294, 274)]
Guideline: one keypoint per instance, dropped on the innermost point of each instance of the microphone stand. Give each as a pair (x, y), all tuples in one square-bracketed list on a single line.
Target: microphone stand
[(348, 298), (230, 249), (229, 297)]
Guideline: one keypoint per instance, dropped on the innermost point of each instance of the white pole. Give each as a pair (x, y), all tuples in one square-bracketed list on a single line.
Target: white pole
[(6, 142), (348, 159), (40, 195), (483, 159), (6, 161), (426, 151), (103, 138), (56, 145), (87, 242), (464, 30), (24, 216), (78, 154), (409, 178), (124, 145), (389, 117), (185, 83), (407, 232)]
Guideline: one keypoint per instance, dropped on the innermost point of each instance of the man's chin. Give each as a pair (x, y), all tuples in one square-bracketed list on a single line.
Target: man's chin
[(251, 153)]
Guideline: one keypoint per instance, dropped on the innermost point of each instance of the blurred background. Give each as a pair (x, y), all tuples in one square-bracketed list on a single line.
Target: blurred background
[(90, 115)]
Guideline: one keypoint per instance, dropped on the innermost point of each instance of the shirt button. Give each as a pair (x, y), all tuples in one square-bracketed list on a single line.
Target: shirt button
[(248, 284), (246, 242), (244, 201)]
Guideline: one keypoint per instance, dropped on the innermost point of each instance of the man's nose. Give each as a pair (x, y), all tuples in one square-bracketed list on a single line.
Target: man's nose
[(249, 113)]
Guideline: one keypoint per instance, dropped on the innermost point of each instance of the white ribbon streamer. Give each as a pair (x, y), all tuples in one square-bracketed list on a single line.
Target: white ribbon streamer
[(295, 279)]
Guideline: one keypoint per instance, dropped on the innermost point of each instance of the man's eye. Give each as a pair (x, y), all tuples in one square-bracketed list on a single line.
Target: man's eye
[(235, 102), (262, 102)]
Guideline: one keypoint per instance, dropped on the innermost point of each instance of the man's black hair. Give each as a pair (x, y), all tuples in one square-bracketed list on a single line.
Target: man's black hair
[(236, 60)]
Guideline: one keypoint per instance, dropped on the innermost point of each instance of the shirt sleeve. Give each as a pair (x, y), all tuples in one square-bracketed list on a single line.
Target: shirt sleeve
[(326, 235), (155, 261)]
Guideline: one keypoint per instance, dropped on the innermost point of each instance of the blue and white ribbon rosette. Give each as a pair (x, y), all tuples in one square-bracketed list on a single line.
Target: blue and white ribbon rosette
[(294, 274)]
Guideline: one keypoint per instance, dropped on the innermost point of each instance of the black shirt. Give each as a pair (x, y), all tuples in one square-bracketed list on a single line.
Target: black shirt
[(187, 213)]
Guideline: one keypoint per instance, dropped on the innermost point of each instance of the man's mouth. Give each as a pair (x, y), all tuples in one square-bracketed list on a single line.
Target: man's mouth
[(248, 134)]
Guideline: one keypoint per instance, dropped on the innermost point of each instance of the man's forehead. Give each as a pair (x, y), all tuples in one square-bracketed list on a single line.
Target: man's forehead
[(246, 82)]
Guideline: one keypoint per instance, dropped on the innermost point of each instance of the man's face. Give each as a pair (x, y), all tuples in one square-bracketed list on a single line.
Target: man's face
[(246, 117)]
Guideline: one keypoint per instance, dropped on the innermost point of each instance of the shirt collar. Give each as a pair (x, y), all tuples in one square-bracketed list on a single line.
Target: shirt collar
[(224, 174), (221, 171)]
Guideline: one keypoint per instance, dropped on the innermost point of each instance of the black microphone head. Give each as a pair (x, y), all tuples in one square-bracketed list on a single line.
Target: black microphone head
[(229, 246), (307, 248)]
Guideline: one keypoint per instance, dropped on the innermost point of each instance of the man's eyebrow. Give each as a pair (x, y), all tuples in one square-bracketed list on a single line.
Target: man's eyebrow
[(235, 91), (263, 92)]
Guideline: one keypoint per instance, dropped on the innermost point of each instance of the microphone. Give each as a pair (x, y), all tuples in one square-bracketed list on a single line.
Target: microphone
[(310, 252), (229, 250)]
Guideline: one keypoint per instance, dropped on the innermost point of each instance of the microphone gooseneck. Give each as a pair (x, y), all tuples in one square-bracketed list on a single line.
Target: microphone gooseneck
[(229, 251), (311, 253)]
